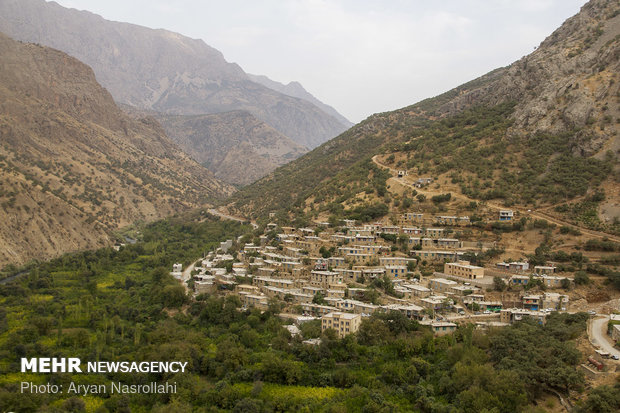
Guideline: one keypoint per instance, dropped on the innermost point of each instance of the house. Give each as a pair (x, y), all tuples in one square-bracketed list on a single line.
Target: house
[(555, 301), (418, 291), (446, 220), (349, 275), (434, 302), (437, 255), (317, 309), (409, 310), (463, 269), (226, 245), (390, 229), (519, 279), (177, 267), (396, 271), (552, 281), (343, 323), (441, 284), (434, 232), (532, 302), (324, 278), (402, 174), (543, 269), (511, 315), (255, 301), (440, 328), (412, 231), (423, 182), (506, 215), (615, 332), (413, 217), (396, 261)]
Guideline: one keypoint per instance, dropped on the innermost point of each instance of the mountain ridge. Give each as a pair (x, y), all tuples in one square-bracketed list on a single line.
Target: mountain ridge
[(162, 70), (74, 167), (248, 148), (543, 132)]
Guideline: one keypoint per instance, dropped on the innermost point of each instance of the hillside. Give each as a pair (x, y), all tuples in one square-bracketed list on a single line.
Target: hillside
[(542, 132), (247, 148), (162, 70), (74, 167), (295, 89)]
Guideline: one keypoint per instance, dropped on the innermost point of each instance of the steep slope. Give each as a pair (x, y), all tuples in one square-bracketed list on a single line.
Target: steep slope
[(235, 146), (74, 167), (161, 70), (296, 90), (542, 131)]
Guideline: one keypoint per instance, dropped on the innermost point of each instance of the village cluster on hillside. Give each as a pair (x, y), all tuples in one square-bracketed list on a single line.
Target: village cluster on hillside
[(346, 273)]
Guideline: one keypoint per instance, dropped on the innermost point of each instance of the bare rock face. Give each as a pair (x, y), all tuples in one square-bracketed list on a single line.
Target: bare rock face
[(162, 70), (236, 146), (569, 84), (74, 167)]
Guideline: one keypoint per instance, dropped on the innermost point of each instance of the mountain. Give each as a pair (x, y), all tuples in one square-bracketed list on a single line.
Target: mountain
[(74, 166), (542, 132), (295, 89), (162, 70), (247, 148)]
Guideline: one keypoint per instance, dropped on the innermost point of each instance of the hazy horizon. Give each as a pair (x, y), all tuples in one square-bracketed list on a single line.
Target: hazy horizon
[(361, 57)]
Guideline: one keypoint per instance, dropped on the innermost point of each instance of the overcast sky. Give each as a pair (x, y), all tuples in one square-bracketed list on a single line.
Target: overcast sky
[(360, 56)]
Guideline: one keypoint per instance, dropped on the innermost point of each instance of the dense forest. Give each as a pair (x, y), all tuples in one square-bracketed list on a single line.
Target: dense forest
[(123, 305)]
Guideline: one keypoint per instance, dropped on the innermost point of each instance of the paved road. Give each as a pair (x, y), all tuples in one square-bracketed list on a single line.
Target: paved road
[(598, 335)]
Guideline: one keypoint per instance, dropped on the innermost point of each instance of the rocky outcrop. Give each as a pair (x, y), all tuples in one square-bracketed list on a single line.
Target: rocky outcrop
[(236, 146), (569, 84)]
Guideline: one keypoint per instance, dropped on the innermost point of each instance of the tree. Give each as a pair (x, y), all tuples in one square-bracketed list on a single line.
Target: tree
[(319, 298), (499, 284), (581, 278)]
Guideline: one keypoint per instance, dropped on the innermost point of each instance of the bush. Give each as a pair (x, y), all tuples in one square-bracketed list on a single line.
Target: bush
[(581, 278)]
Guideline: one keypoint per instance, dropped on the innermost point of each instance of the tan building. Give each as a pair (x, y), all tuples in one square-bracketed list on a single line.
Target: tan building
[(324, 278), (463, 269), (343, 323)]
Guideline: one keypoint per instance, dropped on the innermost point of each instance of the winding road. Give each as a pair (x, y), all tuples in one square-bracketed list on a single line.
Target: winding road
[(598, 335), (214, 211)]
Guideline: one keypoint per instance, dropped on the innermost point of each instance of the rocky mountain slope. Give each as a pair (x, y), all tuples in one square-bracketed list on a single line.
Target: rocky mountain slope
[(74, 167), (541, 132), (295, 89), (247, 148), (162, 70)]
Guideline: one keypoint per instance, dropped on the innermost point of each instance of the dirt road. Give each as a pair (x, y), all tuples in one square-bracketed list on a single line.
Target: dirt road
[(522, 211)]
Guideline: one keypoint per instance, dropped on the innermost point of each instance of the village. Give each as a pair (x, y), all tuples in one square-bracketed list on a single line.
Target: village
[(342, 275)]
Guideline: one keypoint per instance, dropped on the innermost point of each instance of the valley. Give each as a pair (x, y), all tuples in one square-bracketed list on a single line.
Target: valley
[(159, 204)]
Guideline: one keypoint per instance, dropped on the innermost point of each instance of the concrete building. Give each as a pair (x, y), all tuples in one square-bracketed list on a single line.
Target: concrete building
[(343, 323), (463, 269), (441, 284), (324, 278), (440, 328)]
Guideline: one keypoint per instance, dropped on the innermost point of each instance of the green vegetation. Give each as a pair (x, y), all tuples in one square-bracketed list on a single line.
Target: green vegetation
[(472, 146), (108, 305)]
